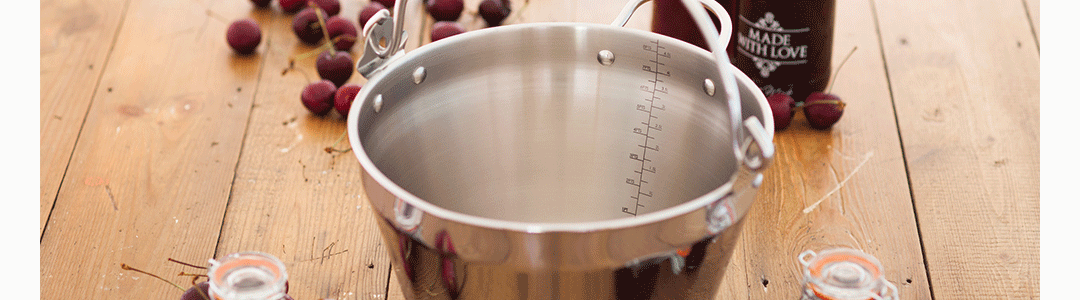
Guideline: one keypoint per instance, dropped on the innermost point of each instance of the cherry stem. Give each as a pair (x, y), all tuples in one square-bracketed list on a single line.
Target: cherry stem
[(331, 149), (322, 24), (186, 264), (840, 104), (828, 87), (214, 15), (129, 268)]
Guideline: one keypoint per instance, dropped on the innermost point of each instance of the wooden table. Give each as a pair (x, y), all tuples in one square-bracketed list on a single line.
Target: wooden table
[(157, 142)]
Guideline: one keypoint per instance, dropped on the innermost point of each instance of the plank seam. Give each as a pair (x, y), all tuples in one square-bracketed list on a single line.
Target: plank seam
[(900, 138), (1031, 24), (389, 272), (243, 139), (101, 74)]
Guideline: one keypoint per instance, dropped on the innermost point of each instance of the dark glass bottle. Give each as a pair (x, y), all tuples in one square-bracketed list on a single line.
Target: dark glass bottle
[(785, 45)]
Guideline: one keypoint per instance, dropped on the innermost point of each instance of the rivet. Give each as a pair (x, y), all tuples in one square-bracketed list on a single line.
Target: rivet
[(605, 57), (377, 103), (709, 87), (419, 74)]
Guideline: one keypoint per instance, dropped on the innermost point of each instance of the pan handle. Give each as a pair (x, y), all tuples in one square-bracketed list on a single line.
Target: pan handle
[(713, 6), (382, 40)]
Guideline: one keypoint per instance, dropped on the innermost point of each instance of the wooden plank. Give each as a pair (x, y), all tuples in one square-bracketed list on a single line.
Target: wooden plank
[(965, 81), (151, 171), (76, 37), (839, 188), (294, 200), (1033, 11)]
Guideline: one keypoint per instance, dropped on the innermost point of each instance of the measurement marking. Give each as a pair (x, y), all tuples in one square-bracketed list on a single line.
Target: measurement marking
[(649, 125)]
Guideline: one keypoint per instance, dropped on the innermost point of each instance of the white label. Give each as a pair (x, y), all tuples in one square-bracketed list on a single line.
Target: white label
[(769, 45)]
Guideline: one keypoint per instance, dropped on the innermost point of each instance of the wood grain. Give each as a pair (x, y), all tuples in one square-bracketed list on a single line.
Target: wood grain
[(76, 37), (965, 80), (1033, 11), (151, 171), (843, 187), (290, 197)]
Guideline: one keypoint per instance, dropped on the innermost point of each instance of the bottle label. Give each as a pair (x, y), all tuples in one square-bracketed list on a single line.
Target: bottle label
[(769, 45)]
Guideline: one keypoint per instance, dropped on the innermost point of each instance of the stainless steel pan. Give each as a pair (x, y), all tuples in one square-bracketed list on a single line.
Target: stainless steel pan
[(558, 160)]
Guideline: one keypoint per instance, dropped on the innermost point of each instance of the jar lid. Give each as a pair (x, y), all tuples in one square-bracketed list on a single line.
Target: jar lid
[(843, 274)]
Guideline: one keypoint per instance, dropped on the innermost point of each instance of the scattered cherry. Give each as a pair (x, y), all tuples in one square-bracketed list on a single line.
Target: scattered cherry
[(332, 7), (445, 10), (343, 99), (292, 6), (445, 29), (261, 3), (494, 12), (783, 109), (193, 293), (336, 66), (342, 32), (243, 36), (823, 110), (369, 11), (307, 27), (387, 3), (318, 97)]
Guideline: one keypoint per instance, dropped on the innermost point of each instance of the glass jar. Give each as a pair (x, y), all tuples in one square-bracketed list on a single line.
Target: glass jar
[(248, 276)]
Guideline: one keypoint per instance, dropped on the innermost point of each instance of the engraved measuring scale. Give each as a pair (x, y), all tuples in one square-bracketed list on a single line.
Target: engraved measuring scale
[(558, 160)]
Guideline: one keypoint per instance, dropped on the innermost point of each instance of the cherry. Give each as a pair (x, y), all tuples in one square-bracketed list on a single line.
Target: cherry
[(335, 66), (783, 109), (318, 97), (494, 12), (261, 3), (387, 3), (823, 110), (307, 25), (344, 97), (199, 291), (332, 7), (445, 10), (445, 29), (369, 11), (292, 6), (341, 32), (243, 36)]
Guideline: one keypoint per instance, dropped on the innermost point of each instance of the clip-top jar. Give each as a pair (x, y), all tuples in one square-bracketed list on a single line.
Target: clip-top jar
[(844, 274), (248, 276), (785, 46)]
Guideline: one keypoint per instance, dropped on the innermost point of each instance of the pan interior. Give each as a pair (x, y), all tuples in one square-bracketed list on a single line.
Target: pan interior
[(523, 123)]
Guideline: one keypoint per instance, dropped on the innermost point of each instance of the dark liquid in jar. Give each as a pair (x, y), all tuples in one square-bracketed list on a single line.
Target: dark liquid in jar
[(785, 46)]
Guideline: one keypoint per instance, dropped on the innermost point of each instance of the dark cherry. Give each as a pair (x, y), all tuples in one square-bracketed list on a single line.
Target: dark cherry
[(292, 6), (192, 293), (823, 110), (306, 25), (445, 29), (336, 67), (445, 10), (332, 7), (243, 36), (369, 11), (261, 3), (494, 12), (318, 97), (783, 109), (342, 32), (344, 97)]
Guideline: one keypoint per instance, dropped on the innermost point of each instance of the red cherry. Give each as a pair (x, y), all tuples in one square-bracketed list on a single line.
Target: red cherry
[(306, 25), (445, 10), (332, 7), (336, 67), (292, 6), (494, 11), (369, 11), (243, 36), (445, 29), (344, 97), (342, 32), (318, 97), (783, 109), (823, 110), (261, 3)]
